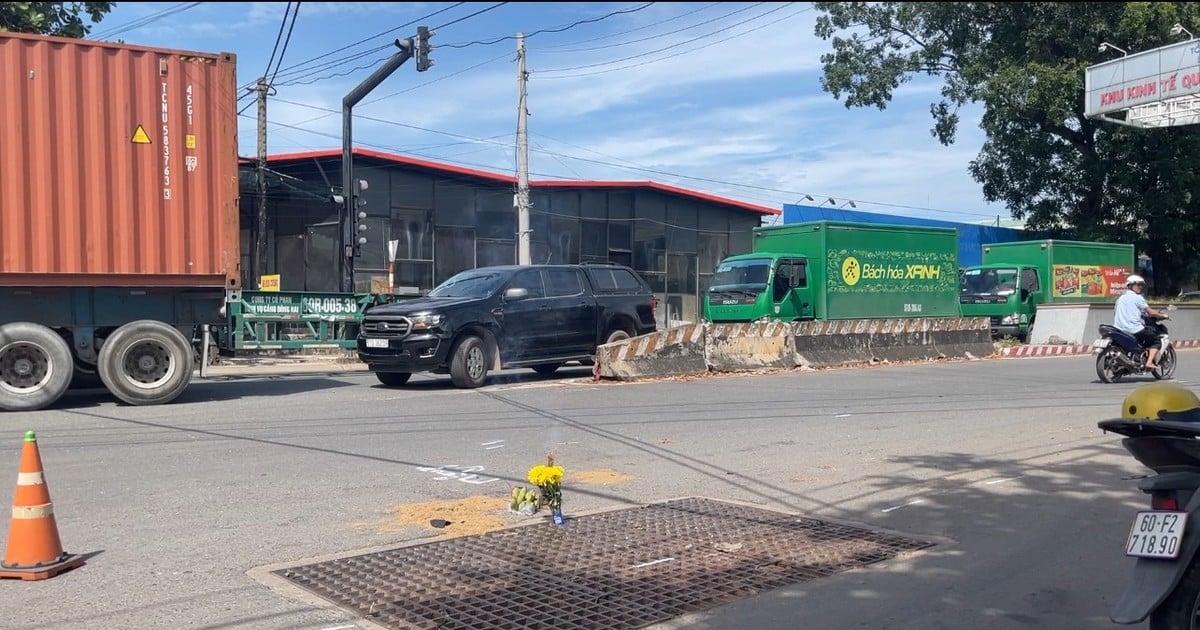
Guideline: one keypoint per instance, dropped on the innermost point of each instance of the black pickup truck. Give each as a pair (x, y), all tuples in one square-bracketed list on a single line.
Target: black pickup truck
[(537, 316)]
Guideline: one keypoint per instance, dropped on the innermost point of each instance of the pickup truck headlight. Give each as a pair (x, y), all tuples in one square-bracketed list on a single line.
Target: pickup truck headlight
[(426, 322)]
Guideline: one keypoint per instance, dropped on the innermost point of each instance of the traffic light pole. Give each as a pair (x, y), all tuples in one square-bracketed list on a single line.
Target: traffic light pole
[(348, 210)]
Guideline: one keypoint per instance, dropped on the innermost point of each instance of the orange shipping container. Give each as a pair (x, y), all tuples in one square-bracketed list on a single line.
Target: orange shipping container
[(118, 165)]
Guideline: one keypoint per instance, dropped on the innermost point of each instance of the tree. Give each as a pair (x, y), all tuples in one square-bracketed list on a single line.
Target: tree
[(52, 18), (1025, 63)]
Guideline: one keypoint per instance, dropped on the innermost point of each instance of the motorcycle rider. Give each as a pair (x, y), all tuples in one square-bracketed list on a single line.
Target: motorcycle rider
[(1129, 314)]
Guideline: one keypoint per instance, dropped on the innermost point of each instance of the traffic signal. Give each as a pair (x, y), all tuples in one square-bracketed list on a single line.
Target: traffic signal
[(423, 60)]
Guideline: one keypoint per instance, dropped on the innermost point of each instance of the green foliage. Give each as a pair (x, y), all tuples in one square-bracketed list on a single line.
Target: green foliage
[(64, 19), (1025, 63)]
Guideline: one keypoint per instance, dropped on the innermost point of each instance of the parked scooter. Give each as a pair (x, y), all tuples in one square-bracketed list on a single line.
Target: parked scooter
[(1119, 354), (1161, 422)]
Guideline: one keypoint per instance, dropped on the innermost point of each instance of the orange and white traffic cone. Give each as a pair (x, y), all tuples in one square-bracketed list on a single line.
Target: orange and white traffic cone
[(34, 549)]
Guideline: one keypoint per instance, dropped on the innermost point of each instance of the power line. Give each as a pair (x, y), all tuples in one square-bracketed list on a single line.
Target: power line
[(143, 21), (557, 29), (682, 43), (656, 36), (278, 37), (467, 17), (288, 39), (299, 68), (628, 31)]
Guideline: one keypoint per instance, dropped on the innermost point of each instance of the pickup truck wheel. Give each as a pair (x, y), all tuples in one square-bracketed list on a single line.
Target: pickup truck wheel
[(35, 366), (146, 363), (546, 369), (617, 335), (468, 367), (393, 379)]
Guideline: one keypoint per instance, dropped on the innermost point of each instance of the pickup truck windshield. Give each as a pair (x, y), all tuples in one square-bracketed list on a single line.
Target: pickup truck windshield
[(469, 284), (741, 274), (989, 281)]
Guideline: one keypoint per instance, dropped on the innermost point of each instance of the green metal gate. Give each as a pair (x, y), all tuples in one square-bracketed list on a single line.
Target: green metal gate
[(263, 320)]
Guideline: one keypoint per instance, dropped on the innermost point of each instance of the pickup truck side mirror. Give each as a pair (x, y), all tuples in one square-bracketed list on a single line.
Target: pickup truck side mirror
[(516, 293)]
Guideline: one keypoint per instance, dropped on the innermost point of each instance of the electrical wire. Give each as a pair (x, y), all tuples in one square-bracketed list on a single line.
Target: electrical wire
[(627, 31), (557, 29), (288, 39), (278, 37), (656, 36), (678, 44), (143, 21)]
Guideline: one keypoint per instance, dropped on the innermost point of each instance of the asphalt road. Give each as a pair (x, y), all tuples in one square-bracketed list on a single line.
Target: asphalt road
[(179, 509)]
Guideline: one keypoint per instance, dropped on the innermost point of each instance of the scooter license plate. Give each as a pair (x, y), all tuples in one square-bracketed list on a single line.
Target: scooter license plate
[(1156, 534)]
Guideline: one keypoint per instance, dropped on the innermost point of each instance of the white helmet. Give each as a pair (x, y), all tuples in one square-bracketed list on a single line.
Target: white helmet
[(1134, 279)]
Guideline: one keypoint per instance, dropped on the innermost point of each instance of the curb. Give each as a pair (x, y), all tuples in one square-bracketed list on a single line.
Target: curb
[(1066, 350)]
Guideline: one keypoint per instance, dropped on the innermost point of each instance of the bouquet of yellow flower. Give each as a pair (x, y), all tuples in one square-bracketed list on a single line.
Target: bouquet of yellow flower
[(548, 479)]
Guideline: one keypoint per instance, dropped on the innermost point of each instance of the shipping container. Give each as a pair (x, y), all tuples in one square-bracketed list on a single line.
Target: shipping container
[(118, 216), (1017, 277), (118, 165), (828, 270)]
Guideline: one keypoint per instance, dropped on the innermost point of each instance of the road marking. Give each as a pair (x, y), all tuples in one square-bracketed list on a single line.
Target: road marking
[(347, 627), (465, 474), (652, 562), (492, 442), (843, 415), (494, 447), (897, 507), (996, 481)]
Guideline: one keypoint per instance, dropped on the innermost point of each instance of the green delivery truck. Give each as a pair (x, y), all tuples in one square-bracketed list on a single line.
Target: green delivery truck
[(831, 270), (1015, 278)]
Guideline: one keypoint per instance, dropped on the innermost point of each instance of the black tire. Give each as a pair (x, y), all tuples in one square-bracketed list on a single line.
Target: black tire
[(393, 379), (146, 363), (1179, 610), (1106, 367), (469, 364), (35, 366), (616, 335), (546, 369), (1166, 364)]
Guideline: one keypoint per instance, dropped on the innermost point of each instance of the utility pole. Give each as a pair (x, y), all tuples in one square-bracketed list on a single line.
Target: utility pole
[(522, 198), (260, 238)]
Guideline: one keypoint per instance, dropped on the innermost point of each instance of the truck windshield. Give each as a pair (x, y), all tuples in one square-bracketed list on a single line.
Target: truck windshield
[(989, 281), (469, 284), (736, 275)]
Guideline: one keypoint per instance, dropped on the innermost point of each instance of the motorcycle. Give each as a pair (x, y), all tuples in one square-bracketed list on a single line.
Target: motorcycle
[(1165, 585), (1118, 353)]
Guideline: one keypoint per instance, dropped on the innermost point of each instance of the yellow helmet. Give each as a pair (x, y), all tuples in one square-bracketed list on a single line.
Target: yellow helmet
[(1145, 402)]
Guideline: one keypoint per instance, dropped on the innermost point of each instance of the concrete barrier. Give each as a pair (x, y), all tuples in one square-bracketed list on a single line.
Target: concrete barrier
[(749, 346), (675, 351), (698, 348), (1080, 323)]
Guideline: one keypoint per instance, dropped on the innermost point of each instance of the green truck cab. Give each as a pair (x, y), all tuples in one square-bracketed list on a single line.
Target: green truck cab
[(829, 270), (1015, 278)]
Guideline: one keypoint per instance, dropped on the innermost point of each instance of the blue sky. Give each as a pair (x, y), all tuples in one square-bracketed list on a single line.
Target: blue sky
[(722, 98)]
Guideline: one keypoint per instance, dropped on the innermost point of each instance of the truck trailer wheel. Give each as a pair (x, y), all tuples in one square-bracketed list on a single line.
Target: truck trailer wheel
[(35, 366), (146, 363), (469, 364)]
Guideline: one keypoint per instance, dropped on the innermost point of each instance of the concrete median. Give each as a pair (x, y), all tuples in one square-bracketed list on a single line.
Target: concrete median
[(698, 348), (676, 351), (749, 346)]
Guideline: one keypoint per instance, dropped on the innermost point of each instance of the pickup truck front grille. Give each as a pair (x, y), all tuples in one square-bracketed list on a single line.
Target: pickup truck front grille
[(395, 326)]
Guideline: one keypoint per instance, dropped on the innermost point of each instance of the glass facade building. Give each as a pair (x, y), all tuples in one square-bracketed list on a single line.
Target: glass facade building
[(446, 219)]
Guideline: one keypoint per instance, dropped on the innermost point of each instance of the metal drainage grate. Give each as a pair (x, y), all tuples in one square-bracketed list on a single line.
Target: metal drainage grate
[(621, 569)]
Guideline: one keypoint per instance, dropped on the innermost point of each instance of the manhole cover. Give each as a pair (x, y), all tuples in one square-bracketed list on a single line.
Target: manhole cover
[(621, 569)]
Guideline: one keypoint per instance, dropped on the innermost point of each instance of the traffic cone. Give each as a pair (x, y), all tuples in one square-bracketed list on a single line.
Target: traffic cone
[(34, 549)]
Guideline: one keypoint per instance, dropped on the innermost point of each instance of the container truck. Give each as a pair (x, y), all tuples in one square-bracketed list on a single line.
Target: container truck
[(829, 270), (1015, 278), (118, 215)]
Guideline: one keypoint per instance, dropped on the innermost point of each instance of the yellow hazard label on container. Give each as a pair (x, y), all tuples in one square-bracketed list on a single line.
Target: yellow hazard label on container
[(190, 141), (268, 282), (140, 136)]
